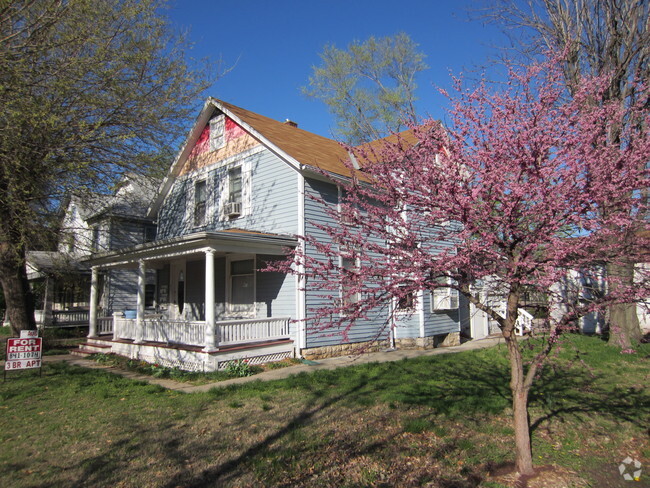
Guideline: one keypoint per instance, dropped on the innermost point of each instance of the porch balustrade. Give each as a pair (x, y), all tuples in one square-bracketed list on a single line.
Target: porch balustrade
[(70, 317), (255, 330), (193, 333), (104, 325)]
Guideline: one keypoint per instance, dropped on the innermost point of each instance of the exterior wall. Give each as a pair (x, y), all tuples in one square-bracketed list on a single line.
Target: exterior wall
[(125, 233), (270, 187), (122, 290), (439, 321), (195, 290), (374, 328), (76, 236)]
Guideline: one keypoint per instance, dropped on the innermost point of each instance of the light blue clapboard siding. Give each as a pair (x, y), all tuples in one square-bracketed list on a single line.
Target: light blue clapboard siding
[(275, 293), (126, 233), (375, 327), (274, 199), (441, 321), (122, 290), (171, 217), (407, 325), (195, 290)]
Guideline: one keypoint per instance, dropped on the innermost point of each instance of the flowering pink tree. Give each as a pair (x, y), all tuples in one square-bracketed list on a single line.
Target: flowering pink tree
[(522, 187)]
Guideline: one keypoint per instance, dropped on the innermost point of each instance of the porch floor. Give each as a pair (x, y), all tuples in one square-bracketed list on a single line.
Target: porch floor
[(184, 347), (108, 339)]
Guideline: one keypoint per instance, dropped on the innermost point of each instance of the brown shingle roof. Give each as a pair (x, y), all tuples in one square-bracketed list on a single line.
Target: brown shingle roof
[(305, 147)]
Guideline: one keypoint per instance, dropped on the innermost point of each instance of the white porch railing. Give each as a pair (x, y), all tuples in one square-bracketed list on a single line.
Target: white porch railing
[(193, 333), (524, 319), (70, 317), (104, 325), (253, 330), (174, 331)]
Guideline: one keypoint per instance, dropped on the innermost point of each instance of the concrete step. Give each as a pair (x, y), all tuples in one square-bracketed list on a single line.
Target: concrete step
[(81, 353), (92, 348)]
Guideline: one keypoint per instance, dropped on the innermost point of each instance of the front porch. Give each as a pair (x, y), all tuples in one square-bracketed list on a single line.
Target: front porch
[(208, 304), (181, 344)]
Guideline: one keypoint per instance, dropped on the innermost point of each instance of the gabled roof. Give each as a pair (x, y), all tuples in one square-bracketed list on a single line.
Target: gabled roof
[(298, 147), (303, 146)]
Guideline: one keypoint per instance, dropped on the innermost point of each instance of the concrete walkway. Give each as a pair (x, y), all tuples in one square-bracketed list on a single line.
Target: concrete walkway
[(276, 374)]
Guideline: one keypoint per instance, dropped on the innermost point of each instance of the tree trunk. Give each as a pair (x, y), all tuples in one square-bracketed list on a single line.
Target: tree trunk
[(18, 296), (623, 322), (519, 390)]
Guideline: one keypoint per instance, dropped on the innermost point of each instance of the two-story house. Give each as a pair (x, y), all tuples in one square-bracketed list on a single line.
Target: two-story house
[(93, 223), (237, 195)]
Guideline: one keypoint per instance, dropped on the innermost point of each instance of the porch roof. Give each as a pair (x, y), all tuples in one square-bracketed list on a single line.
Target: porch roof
[(226, 241)]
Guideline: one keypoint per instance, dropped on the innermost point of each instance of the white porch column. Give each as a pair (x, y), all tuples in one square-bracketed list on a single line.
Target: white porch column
[(139, 320), (94, 293), (211, 339)]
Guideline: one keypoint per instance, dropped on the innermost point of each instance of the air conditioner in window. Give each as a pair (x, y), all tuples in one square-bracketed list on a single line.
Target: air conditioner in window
[(232, 209)]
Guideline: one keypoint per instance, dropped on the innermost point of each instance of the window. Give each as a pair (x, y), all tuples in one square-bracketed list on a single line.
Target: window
[(200, 198), (406, 303), (149, 233), (242, 287), (149, 295), (95, 242), (349, 280), (444, 298), (217, 133), (233, 206)]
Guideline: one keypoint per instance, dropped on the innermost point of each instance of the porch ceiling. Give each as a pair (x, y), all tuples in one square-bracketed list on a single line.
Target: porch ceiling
[(222, 242)]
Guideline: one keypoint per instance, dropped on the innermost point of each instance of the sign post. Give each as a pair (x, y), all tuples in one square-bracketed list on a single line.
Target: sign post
[(24, 352)]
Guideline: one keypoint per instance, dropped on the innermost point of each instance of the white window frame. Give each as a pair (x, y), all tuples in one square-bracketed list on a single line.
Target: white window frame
[(204, 221), (217, 132), (407, 311), (229, 305), (444, 298), (345, 254), (246, 192)]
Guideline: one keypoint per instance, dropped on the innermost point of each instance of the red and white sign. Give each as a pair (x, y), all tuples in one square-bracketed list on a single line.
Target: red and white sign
[(24, 353)]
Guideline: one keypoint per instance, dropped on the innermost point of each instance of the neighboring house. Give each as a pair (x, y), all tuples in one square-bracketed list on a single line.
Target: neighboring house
[(92, 223), (236, 196)]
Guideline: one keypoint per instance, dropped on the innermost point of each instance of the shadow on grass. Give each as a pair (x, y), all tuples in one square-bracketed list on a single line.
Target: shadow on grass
[(464, 387)]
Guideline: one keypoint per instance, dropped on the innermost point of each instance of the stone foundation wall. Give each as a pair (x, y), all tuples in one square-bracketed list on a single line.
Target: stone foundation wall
[(323, 352), (418, 343), (448, 340)]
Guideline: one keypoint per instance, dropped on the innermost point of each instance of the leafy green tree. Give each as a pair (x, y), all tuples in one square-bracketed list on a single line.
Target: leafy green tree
[(597, 37), (370, 87), (89, 89)]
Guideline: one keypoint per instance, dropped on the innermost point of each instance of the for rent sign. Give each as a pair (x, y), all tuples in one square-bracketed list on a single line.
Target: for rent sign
[(24, 353)]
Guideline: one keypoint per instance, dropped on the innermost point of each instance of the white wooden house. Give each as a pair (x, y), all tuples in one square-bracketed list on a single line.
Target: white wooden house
[(92, 223), (236, 196)]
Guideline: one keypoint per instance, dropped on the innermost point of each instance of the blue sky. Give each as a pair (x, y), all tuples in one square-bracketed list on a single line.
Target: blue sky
[(272, 46)]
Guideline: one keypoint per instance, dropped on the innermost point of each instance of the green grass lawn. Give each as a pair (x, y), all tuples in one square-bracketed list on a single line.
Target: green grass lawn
[(438, 421)]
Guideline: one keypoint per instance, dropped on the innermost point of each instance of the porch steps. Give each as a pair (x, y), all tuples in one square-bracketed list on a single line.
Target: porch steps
[(89, 348)]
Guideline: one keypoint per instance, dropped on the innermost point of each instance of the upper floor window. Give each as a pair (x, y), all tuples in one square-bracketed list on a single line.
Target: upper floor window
[(95, 241), (235, 193), (149, 233), (217, 132), (200, 198)]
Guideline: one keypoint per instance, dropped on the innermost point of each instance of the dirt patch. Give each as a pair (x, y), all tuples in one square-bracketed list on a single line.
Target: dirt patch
[(545, 477)]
